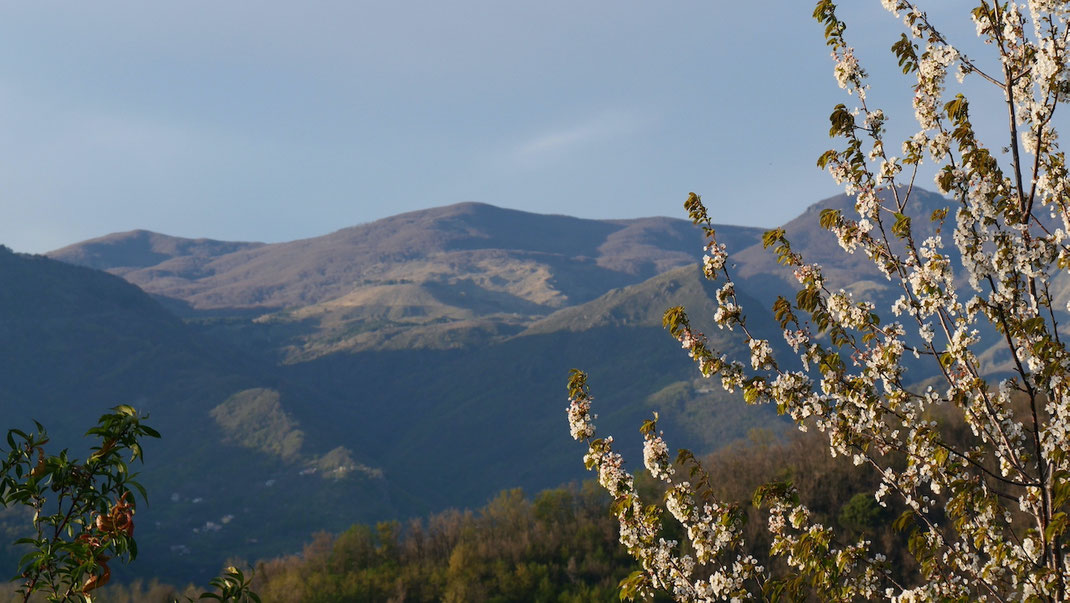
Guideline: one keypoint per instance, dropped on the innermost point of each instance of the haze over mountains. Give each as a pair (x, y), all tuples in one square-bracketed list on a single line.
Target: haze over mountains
[(381, 371)]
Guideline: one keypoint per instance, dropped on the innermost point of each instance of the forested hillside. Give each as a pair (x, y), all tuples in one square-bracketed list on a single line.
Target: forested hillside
[(383, 372), (560, 544)]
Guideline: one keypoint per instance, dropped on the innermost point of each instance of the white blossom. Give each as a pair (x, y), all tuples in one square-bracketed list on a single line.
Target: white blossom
[(980, 292)]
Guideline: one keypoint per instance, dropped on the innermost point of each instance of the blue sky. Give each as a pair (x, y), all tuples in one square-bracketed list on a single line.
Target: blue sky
[(274, 121)]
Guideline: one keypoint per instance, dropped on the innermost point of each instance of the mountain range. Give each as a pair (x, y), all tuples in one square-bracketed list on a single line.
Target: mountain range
[(379, 372), (440, 278)]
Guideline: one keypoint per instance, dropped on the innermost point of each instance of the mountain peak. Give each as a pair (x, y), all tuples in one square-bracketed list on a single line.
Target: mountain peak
[(503, 260), (140, 249)]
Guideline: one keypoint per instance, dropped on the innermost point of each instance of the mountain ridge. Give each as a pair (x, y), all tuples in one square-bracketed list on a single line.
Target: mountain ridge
[(449, 276), (422, 357), (215, 274)]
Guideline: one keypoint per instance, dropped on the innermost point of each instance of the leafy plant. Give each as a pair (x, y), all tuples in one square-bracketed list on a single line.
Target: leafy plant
[(83, 510), (233, 585)]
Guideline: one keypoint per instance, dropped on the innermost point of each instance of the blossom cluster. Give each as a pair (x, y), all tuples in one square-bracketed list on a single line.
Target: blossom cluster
[(982, 305), (714, 259), (713, 531)]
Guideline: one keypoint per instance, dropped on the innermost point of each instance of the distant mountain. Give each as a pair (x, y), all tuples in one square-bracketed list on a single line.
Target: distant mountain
[(385, 370), (124, 252), (436, 278), (249, 446), (545, 261), (759, 272)]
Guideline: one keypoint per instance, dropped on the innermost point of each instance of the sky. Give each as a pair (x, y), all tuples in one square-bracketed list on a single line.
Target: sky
[(273, 121)]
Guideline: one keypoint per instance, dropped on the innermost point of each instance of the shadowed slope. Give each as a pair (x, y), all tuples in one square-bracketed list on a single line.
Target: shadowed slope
[(75, 341)]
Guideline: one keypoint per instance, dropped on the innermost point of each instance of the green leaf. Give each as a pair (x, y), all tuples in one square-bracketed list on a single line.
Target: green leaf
[(905, 519), (906, 51), (830, 217), (901, 228), (826, 157), (1055, 527), (770, 237), (843, 123), (649, 426), (125, 410), (957, 108), (940, 456)]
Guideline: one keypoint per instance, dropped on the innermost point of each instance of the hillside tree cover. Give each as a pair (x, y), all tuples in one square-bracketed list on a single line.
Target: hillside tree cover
[(984, 511), (560, 545)]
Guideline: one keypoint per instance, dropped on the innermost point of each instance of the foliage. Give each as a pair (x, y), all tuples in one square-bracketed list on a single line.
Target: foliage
[(557, 547), (83, 511), (985, 491), (564, 535), (136, 591), (233, 585)]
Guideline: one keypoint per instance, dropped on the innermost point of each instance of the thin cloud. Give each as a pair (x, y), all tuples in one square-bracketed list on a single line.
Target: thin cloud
[(557, 142)]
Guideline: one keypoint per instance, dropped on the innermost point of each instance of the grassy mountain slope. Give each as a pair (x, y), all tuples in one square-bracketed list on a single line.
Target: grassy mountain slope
[(642, 304), (458, 274), (497, 409), (128, 251)]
